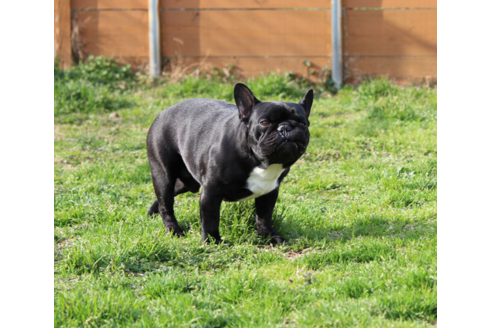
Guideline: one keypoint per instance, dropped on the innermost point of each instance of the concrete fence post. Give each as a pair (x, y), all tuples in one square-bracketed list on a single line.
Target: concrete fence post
[(154, 39), (336, 43)]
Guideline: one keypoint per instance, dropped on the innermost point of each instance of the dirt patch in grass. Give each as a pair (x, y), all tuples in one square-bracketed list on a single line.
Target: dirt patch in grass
[(57, 133), (292, 255), (64, 164)]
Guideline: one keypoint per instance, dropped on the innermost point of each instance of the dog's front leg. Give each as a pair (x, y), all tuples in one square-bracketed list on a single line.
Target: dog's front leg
[(264, 211), (210, 201)]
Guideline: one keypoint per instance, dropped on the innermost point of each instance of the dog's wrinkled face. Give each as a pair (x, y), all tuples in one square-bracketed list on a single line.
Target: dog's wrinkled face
[(277, 131)]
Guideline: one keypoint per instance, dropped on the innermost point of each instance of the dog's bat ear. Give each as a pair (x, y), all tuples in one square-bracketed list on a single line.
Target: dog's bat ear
[(307, 102), (245, 101)]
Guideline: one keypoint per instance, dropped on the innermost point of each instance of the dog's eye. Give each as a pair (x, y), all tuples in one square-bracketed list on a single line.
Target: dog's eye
[(265, 123), (303, 124)]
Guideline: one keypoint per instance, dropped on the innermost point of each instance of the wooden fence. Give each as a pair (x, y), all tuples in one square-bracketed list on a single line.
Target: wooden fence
[(397, 38)]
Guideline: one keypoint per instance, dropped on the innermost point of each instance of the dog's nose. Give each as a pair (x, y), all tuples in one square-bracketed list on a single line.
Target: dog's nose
[(284, 128)]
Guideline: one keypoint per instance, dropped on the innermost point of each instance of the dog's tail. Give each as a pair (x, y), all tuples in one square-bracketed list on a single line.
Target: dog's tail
[(153, 209)]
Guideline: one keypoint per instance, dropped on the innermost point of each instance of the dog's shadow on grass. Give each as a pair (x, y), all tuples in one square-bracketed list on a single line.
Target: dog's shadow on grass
[(364, 227)]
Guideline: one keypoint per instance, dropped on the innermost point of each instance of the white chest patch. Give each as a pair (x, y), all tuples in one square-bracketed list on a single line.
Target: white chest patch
[(262, 181)]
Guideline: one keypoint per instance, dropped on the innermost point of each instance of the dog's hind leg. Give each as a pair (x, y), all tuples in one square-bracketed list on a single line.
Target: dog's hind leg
[(153, 209), (179, 188), (164, 178)]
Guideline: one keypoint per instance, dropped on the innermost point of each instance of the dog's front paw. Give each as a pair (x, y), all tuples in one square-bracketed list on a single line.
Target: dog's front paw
[(266, 232), (277, 240), (175, 231), (215, 241), (270, 233)]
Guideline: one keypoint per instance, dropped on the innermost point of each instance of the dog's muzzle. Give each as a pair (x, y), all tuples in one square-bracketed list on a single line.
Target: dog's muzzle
[(284, 129)]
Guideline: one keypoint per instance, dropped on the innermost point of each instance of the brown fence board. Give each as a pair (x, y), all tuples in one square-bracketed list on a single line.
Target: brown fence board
[(110, 4), (244, 66), (114, 33), (56, 23), (390, 33), (246, 33), (248, 66), (252, 4), (62, 31), (395, 67), (390, 3), (140, 63), (202, 4)]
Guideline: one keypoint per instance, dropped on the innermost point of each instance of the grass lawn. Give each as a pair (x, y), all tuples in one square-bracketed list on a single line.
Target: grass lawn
[(359, 210)]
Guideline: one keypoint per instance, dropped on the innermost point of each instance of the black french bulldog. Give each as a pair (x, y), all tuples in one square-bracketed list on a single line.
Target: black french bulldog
[(235, 153)]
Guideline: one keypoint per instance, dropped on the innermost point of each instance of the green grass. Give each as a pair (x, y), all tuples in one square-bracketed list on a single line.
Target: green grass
[(359, 211)]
